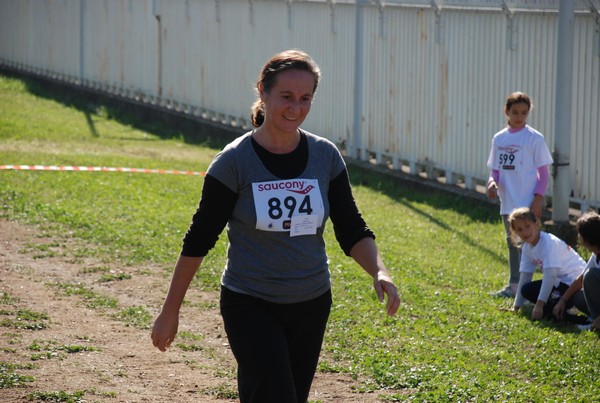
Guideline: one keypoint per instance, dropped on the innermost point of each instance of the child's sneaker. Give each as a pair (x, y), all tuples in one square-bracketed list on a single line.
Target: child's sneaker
[(506, 292), (579, 320)]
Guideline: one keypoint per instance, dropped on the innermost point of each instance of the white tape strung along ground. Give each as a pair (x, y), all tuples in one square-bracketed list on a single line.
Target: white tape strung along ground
[(97, 169)]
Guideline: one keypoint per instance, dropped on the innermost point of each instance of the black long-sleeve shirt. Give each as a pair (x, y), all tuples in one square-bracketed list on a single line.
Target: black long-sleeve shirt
[(218, 201)]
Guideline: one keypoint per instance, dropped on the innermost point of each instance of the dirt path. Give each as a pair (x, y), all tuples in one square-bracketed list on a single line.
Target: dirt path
[(117, 362)]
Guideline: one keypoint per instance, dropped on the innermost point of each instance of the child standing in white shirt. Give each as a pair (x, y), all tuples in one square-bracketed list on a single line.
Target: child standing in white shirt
[(560, 265), (518, 160)]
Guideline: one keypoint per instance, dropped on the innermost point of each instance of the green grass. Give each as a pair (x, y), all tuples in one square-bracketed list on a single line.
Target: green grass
[(105, 278), (61, 396), (449, 342), (91, 298), (23, 319), (69, 397), (11, 379), (49, 350), (136, 316)]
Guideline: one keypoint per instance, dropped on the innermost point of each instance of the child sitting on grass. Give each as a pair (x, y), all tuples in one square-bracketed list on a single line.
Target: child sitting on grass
[(588, 229), (560, 266)]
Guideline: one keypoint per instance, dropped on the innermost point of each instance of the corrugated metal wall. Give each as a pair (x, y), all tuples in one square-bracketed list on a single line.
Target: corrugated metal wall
[(432, 75)]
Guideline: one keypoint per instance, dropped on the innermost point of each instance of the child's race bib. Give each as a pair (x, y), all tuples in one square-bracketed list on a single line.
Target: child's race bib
[(509, 158)]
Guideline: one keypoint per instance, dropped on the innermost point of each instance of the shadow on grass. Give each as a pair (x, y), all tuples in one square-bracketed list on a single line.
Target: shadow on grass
[(562, 326), (91, 125), (157, 121), (409, 193), (172, 125)]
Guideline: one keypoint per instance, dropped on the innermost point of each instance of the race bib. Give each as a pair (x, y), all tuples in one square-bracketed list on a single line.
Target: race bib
[(509, 158), (293, 205)]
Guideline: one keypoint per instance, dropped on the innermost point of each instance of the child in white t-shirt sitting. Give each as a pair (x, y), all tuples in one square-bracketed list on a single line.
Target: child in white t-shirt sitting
[(560, 265), (588, 228)]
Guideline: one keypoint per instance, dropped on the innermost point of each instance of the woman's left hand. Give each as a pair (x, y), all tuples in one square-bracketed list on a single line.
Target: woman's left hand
[(383, 284), (365, 253)]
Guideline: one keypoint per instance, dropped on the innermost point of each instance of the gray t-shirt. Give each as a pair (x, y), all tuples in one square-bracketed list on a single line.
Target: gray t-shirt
[(269, 263)]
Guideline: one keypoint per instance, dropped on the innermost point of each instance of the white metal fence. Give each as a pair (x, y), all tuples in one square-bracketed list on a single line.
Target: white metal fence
[(415, 85)]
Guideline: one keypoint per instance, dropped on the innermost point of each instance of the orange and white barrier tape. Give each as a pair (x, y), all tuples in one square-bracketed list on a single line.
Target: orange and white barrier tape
[(97, 169)]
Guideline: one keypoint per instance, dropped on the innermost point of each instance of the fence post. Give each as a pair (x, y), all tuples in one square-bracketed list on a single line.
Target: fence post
[(562, 134), (562, 127), (356, 141)]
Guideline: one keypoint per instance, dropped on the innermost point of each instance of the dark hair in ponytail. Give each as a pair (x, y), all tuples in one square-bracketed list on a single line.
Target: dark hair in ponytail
[(283, 61)]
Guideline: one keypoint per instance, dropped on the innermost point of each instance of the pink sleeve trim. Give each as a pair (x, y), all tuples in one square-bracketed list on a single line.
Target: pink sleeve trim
[(495, 175), (542, 182)]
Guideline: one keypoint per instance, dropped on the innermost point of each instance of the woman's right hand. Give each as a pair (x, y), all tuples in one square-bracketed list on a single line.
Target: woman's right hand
[(167, 322), (164, 330)]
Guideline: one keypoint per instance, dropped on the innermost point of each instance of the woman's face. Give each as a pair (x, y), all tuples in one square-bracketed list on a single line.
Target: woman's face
[(517, 115), (289, 101), (527, 230)]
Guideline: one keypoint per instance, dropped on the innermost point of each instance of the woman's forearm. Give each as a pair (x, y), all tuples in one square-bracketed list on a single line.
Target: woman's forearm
[(183, 274)]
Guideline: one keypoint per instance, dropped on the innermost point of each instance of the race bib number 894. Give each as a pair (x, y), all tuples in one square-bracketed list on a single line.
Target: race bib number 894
[(293, 205)]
